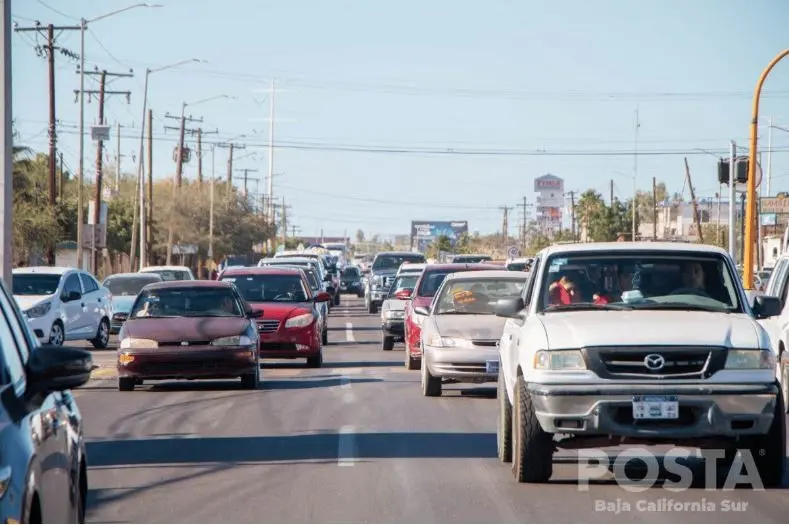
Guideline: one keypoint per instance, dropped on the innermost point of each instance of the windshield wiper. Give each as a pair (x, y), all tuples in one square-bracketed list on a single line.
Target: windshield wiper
[(683, 306), (458, 312), (585, 306)]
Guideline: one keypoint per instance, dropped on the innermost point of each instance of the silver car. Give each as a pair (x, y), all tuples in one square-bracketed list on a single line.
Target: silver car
[(393, 309), (460, 336)]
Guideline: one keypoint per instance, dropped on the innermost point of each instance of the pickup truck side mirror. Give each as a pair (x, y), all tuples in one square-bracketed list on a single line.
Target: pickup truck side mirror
[(510, 308), (765, 306)]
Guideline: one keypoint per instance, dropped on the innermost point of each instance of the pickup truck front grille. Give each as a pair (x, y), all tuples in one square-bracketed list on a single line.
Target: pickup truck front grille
[(660, 362)]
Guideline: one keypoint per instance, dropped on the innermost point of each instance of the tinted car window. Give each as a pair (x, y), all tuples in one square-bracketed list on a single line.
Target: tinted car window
[(393, 262), (350, 273), (187, 302), (89, 283), (431, 282), (35, 283), (129, 285), (72, 284), (270, 288)]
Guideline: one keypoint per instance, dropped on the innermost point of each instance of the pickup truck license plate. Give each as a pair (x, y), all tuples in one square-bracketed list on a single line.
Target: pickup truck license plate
[(655, 407), (491, 367)]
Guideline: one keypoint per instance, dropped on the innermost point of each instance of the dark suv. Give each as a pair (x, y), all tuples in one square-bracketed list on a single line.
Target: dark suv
[(382, 273), (351, 281), (40, 424)]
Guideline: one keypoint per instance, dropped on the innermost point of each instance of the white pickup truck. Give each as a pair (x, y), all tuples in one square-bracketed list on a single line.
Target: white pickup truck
[(637, 343)]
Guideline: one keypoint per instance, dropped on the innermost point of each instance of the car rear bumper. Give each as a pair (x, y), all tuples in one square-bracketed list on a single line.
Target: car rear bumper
[(705, 411), (189, 364), (462, 363)]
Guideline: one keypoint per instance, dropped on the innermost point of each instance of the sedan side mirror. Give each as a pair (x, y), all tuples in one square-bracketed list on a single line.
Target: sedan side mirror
[(421, 310), (56, 368), (765, 306), (72, 296), (322, 297), (511, 308)]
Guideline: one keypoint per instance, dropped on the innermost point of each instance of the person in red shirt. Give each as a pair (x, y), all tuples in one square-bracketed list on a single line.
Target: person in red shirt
[(563, 291)]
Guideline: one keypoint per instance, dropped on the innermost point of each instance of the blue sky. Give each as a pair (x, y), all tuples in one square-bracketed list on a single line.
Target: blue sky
[(560, 77)]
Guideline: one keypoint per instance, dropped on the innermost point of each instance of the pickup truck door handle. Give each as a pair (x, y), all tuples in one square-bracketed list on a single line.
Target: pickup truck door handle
[(83, 305), (510, 337)]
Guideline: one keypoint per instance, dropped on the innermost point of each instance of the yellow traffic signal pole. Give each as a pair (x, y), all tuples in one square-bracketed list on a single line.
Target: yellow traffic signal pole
[(750, 212)]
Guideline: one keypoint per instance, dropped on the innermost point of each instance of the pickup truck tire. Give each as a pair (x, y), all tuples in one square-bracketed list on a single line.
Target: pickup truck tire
[(504, 426), (769, 451), (337, 300), (784, 373), (372, 308), (325, 337), (532, 448), (388, 343), (431, 386)]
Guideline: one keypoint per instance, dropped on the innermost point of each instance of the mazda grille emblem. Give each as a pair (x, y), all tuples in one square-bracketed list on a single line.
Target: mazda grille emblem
[(654, 361)]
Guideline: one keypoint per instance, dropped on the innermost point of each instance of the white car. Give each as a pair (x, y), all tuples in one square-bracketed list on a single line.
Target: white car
[(171, 273), (64, 304), (642, 343)]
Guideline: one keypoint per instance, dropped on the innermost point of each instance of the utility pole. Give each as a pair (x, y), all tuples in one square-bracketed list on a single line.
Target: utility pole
[(118, 157), (293, 230), (505, 226), (48, 50), (654, 209), (523, 226), (732, 201), (572, 214), (182, 131), (232, 147), (246, 172), (148, 227), (635, 175), (211, 212), (97, 194), (284, 222), (611, 190), (62, 178), (7, 162), (696, 216), (271, 150)]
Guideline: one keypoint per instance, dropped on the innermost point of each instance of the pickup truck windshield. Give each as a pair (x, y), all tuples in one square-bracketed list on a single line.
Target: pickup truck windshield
[(640, 280)]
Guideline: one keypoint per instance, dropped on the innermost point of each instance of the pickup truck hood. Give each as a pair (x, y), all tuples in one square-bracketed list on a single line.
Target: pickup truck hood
[(611, 328)]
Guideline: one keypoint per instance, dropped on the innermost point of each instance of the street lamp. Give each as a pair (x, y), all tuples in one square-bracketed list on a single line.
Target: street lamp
[(146, 218), (83, 25)]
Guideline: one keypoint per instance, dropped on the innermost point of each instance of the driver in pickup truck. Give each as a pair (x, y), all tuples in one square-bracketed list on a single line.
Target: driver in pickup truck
[(693, 276)]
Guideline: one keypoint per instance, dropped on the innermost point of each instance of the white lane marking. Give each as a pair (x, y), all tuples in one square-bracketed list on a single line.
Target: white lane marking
[(349, 333), (349, 396), (345, 446)]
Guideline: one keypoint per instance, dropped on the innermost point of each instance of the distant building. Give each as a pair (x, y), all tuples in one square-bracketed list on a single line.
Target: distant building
[(550, 203)]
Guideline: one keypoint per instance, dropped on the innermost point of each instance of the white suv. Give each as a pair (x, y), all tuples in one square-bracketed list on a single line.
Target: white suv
[(642, 343), (63, 304)]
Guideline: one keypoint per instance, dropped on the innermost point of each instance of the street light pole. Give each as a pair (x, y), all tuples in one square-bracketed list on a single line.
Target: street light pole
[(6, 156), (750, 219), (211, 213)]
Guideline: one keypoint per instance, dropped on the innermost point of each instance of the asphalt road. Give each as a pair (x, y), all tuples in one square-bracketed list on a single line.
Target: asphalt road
[(354, 441)]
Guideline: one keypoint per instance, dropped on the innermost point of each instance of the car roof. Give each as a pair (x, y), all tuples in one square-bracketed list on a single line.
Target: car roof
[(459, 255), (286, 260), (47, 270), (159, 268), (625, 247), (188, 284), (265, 270), (399, 253), (488, 274), (461, 266), (134, 275)]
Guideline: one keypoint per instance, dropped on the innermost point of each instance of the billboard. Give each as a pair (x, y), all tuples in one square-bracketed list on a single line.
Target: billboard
[(548, 183), (423, 233)]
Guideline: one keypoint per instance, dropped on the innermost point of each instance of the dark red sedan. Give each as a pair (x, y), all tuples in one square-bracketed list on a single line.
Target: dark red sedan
[(189, 330), (291, 325)]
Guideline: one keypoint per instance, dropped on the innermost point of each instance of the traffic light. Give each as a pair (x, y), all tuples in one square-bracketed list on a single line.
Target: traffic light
[(741, 173)]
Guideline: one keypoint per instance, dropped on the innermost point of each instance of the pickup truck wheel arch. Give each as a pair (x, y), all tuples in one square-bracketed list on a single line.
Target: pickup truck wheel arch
[(769, 451), (532, 447)]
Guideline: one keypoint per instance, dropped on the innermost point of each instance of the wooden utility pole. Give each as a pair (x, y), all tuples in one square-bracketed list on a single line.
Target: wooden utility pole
[(611, 191), (246, 172), (696, 216), (505, 226), (572, 215), (97, 193), (232, 147), (654, 209), (199, 159), (523, 226), (48, 50), (149, 219), (182, 130)]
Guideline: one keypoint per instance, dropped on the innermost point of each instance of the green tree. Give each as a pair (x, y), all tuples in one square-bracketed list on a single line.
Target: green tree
[(441, 244), (644, 199), (603, 223)]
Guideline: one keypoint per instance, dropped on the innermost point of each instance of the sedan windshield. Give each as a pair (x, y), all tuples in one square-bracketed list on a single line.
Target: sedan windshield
[(171, 275), (393, 262), (404, 282), (476, 296), (121, 286), (187, 302), (270, 288), (35, 284), (640, 280)]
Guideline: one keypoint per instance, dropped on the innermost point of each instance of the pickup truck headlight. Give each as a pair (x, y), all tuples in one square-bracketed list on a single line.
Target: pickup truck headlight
[(559, 360), (133, 342), (233, 340), (753, 359), (299, 321), (39, 310), (395, 314)]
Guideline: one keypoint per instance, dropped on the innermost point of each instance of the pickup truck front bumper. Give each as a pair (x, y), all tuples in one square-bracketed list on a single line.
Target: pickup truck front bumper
[(709, 410)]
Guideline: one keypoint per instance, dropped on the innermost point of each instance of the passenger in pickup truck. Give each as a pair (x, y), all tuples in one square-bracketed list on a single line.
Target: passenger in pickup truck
[(563, 291)]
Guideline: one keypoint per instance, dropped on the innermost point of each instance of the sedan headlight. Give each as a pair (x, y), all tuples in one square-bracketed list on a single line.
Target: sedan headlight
[(395, 314), (39, 310), (437, 341), (233, 340), (750, 359), (559, 360), (299, 321), (132, 342)]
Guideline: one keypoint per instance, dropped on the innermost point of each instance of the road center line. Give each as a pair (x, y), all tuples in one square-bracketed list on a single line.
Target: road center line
[(349, 396), (349, 333), (345, 446)]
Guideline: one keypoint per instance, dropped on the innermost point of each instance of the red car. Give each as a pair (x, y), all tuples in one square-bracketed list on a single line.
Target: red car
[(424, 291), (290, 326)]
